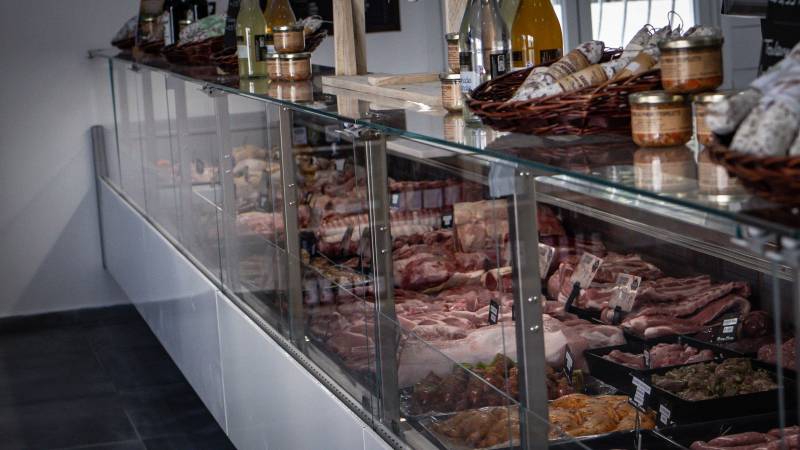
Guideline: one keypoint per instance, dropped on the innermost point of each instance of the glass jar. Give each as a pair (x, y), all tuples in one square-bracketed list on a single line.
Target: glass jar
[(453, 63), (665, 170), (295, 66), (149, 28), (273, 66), (701, 101), (293, 91), (451, 91), (288, 39), (660, 119), (690, 65)]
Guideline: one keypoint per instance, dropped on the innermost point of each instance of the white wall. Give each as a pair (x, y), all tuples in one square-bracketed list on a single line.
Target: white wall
[(49, 244), (418, 47)]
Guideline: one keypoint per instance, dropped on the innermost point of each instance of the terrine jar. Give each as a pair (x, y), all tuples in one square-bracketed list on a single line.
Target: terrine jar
[(665, 170), (451, 91), (701, 102), (295, 66), (713, 179), (273, 66), (690, 65), (293, 91), (453, 63), (660, 119), (288, 39)]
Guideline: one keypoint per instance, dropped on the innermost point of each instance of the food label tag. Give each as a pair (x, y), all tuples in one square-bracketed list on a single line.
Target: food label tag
[(728, 330), (587, 269), (546, 254), (625, 292), (639, 399), (299, 136), (447, 221), (494, 312), (339, 164), (664, 414), (394, 200), (569, 364), (646, 355)]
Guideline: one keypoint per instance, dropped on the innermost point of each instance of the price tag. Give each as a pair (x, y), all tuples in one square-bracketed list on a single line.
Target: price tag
[(394, 200), (625, 292), (299, 136), (494, 312), (646, 354), (447, 221), (339, 164), (546, 254), (587, 269), (330, 133), (569, 364), (728, 330), (664, 414), (641, 393)]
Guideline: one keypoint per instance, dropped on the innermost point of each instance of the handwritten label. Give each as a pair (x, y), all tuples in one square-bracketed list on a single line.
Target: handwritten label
[(728, 330), (546, 254), (641, 393), (587, 269), (494, 312), (625, 292)]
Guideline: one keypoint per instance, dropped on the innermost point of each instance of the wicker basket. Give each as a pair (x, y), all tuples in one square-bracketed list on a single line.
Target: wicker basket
[(592, 110), (775, 178), (153, 47), (193, 53)]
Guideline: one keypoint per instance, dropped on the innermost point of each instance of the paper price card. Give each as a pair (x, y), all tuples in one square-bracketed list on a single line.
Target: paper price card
[(299, 136), (641, 393), (625, 292), (494, 312), (728, 330), (587, 269), (569, 364), (546, 254)]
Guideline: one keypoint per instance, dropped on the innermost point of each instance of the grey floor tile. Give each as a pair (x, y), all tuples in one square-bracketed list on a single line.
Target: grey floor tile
[(123, 445), (135, 367), (167, 410), (203, 441)]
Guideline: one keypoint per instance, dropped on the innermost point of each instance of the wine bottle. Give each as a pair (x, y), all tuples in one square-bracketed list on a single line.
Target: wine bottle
[(536, 34), (267, 5), (170, 22), (251, 40), (484, 44), (199, 9)]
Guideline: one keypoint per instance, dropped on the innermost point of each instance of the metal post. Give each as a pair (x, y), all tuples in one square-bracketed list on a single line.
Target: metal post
[(386, 330), (100, 171), (294, 282), (528, 310), (186, 223), (790, 254), (229, 251)]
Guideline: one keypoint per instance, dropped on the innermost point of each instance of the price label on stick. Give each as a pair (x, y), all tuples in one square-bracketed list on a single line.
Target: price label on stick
[(728, 331), (625, 292), (394, 200), (664, 413), (546, 254), (494, 312), (641, 393), (587, 268), (339, 164), (447, 221), (569, 364)]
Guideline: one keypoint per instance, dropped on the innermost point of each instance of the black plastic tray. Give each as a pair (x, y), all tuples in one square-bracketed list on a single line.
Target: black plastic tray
[(705, 431), (619, 375), (651, 440), (685, 411)]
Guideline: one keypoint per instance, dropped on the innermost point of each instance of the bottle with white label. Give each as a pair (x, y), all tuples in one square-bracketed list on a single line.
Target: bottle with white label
[(251, 40), (484, 45)]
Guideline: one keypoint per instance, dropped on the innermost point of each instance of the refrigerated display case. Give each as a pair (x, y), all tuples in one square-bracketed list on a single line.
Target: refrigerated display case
[(460, 287)]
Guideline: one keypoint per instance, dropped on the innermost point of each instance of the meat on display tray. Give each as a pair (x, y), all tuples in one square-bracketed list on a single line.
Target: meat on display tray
[(681, 411), (619, 375), (686, 435), (650, 440), (425, 425)]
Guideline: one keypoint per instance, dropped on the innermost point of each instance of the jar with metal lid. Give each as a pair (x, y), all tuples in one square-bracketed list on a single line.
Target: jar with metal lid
[(690, 65), (713, 179), (293, 91), (149, 28), (665, 170), (183, 24), (660, 119), (273, 66), (295, 66), (288, 39), (701, 102), (453, 63), (451, 91)]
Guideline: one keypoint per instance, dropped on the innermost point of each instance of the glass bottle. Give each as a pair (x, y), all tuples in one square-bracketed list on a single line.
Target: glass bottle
[(536, 34), (251, 40), (267, 6), (280, 14), (170, 22)]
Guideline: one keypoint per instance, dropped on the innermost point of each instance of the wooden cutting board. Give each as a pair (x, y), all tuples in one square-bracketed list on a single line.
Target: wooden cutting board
[(418, 88)]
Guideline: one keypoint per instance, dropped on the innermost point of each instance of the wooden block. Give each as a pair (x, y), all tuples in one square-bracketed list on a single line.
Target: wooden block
[(344, 43), (408, 78), (453, 13), (360, 36), (429, 93)]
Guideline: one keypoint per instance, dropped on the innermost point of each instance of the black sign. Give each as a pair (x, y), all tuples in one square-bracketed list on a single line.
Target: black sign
[(494, 312), (569, 364), (308, 242), (728, 331), (230, 23), (394, 200), (447, 221), (778, 39), (664, 412), (576, 291), (641, 393)]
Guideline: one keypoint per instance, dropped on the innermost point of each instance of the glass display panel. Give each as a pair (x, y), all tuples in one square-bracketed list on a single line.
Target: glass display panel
[(127, 95)]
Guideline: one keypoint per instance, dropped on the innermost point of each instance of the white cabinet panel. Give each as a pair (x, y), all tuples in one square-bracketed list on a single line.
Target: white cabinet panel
[(271, 400)]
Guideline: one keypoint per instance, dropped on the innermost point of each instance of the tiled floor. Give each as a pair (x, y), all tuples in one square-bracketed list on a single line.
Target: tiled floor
[(96, 379)]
